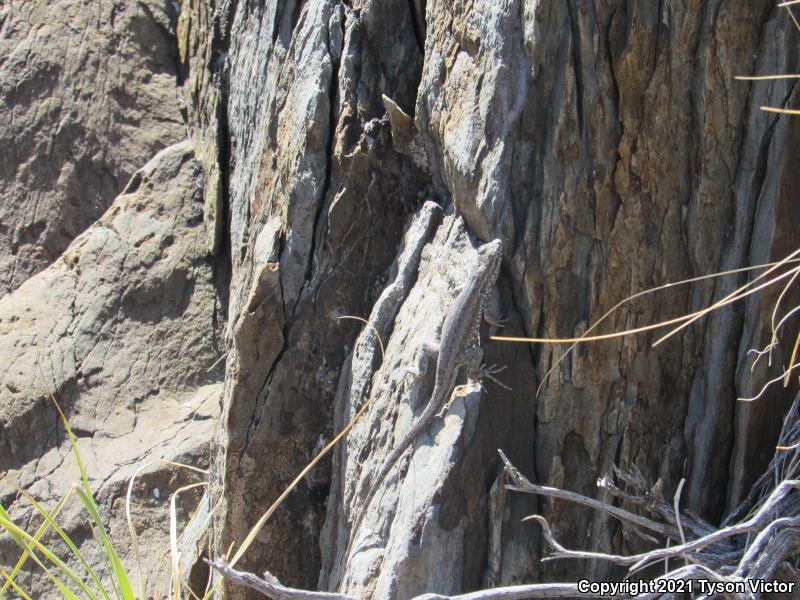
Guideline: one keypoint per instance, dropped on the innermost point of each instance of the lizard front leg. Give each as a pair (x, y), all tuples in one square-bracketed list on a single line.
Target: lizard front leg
[(470, 358), (478, 371), (489, 372), (491, 309)]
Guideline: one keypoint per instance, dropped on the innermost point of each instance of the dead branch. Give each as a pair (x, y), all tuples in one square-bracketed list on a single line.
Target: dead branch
[(753, 542), (525, 486), (270, 586)]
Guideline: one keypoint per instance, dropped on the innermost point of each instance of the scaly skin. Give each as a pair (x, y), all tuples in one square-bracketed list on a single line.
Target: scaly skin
[(459, 347)]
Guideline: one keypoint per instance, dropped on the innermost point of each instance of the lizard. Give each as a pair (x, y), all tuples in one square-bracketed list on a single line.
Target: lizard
[(459, 346)]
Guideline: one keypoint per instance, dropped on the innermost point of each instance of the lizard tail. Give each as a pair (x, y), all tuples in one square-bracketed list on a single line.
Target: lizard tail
[(421, 423)]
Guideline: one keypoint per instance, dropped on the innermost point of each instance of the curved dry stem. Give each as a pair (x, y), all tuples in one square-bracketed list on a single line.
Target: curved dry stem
[(778, 302), (129, 520), (773, 340), (619, 304), (371, 326), (685, 319), (769, 383), (175, 554), (659, 288), (737, 293)]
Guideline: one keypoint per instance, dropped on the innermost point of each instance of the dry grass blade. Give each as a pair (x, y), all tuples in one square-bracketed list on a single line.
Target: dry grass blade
[(175, 554), (787, 4), (129, 519), (371, 326), (739, 293), (766, 77), (775, 327), (682, 321), (792, 359), (188, 590), (782, 111), (778, 303), (787, 448), (780, 377), (774, 340), (643, 293), (265, 517)]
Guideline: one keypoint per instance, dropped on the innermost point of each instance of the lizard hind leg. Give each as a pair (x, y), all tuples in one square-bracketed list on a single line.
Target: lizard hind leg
[(471, 358), (488, 372), (491, 310)]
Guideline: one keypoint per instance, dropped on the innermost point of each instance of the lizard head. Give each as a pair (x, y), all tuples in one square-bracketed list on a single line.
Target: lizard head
[(490, 256)]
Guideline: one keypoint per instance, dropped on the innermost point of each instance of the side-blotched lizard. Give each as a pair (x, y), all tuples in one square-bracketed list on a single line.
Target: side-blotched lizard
[(458, 347)]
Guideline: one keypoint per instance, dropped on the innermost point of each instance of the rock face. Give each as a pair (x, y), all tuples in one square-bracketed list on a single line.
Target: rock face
[(89, 91), (607, 143), (349, 158), (105, 328), (122, 330)]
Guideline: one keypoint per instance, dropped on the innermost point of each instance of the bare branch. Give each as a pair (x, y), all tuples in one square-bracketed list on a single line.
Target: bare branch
[(757, 522), (786, 544), (270, 586), (525, 486), (690, 572)]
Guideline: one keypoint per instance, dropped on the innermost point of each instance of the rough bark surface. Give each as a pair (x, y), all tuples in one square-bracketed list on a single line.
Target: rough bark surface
[(609, 145), (606, 143)]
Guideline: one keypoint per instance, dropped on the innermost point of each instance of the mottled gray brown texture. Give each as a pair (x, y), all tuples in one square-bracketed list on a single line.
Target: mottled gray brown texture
[(606, 143), (121, 331)]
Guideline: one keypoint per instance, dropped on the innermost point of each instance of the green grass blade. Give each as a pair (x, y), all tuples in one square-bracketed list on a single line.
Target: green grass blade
[(37, 536), (74, 443), (120, 576), (50, 521), (25, 540), (13, 584), (87, 499)]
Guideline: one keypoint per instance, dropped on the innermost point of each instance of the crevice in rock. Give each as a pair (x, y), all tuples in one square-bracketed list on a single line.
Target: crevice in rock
[(577, 62), (223, 265), (258, 410), (333, 89), (418, 24)]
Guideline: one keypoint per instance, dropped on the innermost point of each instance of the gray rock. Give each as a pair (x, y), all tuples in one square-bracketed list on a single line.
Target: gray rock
[(606, 143), (610, 148), (90, 95), (121, 330)]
